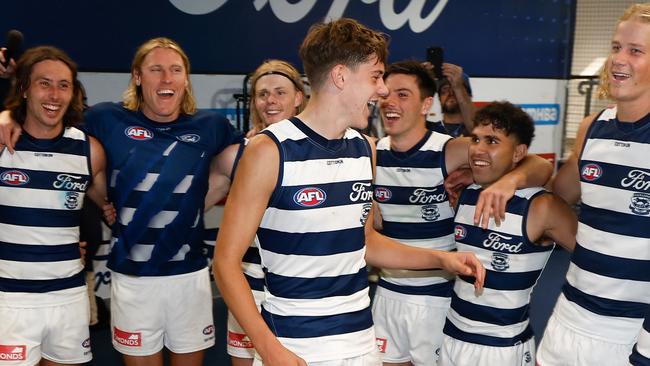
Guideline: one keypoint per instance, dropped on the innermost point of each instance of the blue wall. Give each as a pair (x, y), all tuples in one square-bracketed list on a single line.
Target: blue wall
[(489, 38)]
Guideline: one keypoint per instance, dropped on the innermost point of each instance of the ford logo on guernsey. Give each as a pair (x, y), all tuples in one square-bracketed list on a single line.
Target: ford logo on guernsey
[(591, 172), (309, 197), (138, 133), (383, 194), (459, 232), (14, 178)]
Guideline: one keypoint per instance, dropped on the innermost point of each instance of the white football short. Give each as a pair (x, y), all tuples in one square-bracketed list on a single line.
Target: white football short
[(459, 353), (409, 327), (369, 359), (54, 327), (148, 313), (563, 345)]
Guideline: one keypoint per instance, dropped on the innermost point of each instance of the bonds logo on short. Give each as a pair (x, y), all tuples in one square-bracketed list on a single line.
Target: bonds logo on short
[(14, 178), (309, 197), (640, 203), (86, 343), (591, 172), (381, 344), (383, 194), (500, 261), (127, 338), (13, 352), (190, 137), (138, 133), (239, 340), (460, 232)]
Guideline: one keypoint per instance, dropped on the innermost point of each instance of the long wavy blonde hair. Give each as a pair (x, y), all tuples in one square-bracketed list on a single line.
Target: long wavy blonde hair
[(132, 97), (277, 67), (638, 12)]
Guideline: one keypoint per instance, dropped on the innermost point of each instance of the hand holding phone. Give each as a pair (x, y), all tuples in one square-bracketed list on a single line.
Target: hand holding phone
[(435, 57)]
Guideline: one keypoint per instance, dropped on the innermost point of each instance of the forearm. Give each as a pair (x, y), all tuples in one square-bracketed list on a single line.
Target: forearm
[(218, 189), (238, 296), (386, 253), (533, 171), (467, 109)]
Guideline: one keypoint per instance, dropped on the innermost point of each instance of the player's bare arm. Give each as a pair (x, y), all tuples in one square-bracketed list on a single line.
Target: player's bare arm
[(566, 183), (220, 175), (254, 183), (551, 220)]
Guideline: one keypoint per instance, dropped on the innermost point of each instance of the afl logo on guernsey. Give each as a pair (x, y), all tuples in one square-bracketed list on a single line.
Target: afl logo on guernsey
[(383, 194), (591, 172), (138, 133), (459, 232), (309, 197), (14, 178)]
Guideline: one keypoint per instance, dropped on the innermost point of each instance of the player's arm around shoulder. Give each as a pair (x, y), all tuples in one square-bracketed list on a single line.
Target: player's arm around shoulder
[(566, 182), (220, 175), (97, 190), (384, 252), (254, 182), (550, 219)]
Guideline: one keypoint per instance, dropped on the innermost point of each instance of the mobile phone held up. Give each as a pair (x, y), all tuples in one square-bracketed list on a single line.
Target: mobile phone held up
[(434, 56)]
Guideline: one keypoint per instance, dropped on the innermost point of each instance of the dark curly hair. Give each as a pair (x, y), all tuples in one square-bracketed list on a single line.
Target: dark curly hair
[(508, 118)]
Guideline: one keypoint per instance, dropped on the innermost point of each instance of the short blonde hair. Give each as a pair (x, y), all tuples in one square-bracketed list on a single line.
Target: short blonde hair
[(277, 67), (132, 97), (638, 12)]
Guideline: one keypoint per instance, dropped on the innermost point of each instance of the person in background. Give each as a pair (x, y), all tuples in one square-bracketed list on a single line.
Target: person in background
[(455, 96)]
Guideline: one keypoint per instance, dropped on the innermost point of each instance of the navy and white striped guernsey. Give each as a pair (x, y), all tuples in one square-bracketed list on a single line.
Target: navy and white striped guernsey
[(312, 244), (608, 281), (415, 210), (42, 187), (499, 316), (641, 353), (158, 179)]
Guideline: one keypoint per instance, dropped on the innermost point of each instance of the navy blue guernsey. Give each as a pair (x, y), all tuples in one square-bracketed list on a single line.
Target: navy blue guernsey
[(158, 179)]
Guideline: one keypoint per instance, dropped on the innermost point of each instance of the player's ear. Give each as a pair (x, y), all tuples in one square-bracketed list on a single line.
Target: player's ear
[(521, 151)]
